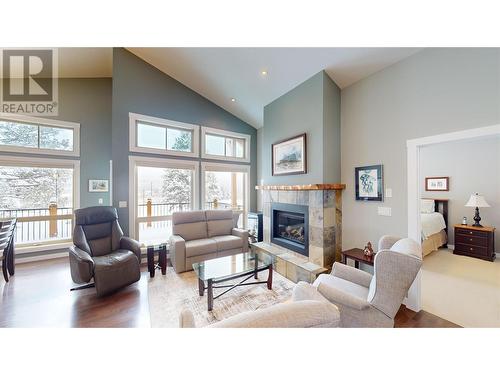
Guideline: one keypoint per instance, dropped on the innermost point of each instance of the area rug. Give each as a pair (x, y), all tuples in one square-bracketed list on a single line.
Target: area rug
[(171, 293)]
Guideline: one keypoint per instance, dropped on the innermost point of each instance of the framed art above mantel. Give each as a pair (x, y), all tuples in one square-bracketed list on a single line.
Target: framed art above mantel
[(289, 156)]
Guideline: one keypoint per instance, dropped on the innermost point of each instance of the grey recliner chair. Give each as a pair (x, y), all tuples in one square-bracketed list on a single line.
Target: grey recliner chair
[(101, 251)]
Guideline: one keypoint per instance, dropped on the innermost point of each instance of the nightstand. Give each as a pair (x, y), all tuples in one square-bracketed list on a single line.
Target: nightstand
[(477, 242)]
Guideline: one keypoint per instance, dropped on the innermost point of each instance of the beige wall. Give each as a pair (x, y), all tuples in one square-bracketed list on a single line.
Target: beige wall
[(432, 92), (472, 166)]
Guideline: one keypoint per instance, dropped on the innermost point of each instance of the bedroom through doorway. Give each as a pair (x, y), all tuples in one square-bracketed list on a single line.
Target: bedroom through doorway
[(460, 278)]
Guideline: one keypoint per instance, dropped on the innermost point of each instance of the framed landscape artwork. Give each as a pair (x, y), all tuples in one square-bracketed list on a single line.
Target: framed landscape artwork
[(437, 184), (369, 183), (290, 156), (98, 186)]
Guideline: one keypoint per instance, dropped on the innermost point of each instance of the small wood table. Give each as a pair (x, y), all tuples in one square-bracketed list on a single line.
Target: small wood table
[(357, 255), (161, 249)]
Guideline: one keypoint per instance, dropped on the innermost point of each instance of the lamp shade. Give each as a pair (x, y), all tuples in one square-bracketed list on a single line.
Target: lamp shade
[(477, 200)]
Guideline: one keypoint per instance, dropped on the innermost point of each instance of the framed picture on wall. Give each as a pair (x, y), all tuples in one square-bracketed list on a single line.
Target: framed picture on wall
[(289, 156), (437, 184), (98, 186), (369, 183)]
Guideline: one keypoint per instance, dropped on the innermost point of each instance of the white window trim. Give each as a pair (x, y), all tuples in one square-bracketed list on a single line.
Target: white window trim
[(227, 167), (43, 122), (138, 161), (22, 161), (225, 133), (135, 117)]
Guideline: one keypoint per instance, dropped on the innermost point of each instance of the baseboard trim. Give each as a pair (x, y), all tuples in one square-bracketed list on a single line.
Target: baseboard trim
[(451, 247), (36, 258)]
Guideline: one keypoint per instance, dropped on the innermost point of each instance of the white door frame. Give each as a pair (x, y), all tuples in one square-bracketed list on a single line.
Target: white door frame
[(414, 300)]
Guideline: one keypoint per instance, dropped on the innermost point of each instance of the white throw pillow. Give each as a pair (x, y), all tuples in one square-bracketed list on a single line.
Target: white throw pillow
[(426, 206)]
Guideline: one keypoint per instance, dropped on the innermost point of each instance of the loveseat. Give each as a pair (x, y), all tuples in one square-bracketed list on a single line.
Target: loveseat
[(202, 235)]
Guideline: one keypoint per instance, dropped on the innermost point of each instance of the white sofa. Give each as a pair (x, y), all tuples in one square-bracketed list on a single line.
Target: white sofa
[(202, 235), (308, 309)]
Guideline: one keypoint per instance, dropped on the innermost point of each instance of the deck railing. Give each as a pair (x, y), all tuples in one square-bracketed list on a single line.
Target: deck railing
[(41, 224), (36, 225)]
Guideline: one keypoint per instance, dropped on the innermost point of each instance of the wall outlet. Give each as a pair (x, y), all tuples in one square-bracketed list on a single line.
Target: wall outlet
[(100, 201), (384, 211), (388, 193), (122, 204)]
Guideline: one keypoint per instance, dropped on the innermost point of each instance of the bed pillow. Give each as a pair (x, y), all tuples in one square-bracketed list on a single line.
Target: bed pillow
[(427, 206)]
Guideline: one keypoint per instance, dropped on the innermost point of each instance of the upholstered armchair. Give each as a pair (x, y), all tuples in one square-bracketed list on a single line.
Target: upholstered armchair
[(101, 251), (366, 300)]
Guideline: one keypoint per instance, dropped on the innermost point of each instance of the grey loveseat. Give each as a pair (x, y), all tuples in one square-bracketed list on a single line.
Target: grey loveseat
[(202, 235)]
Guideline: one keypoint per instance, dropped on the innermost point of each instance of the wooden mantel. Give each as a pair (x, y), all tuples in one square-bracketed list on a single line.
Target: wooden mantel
[(302, 187)]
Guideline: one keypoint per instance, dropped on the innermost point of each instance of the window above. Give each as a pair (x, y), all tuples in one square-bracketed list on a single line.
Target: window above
[(225, 145), (160, 136), (35, 135)]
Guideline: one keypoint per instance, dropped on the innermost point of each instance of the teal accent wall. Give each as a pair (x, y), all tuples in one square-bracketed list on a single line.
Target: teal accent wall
[(87, 101), (141, 88), (313, 108)]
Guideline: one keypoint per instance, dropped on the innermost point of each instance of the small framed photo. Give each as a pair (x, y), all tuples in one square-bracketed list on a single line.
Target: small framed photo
[(437, 184), (98, 186), (369, 183), (289, 156)]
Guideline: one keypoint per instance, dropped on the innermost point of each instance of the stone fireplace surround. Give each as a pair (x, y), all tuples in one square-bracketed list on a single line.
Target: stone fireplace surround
[(324, 202)]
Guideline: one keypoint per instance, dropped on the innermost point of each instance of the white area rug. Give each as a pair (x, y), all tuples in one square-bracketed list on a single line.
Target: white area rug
[(463, 290), (170, 294)]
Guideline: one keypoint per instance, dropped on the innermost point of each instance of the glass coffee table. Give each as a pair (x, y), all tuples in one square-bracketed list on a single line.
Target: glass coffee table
[(214, 272)]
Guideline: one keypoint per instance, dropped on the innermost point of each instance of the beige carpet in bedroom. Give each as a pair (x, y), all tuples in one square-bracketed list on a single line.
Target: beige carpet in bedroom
[(463, 290), (168, 295)]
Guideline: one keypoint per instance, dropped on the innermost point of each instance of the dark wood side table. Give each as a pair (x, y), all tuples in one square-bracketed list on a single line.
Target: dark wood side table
[(161, 250), (358, 256), (477, 242)]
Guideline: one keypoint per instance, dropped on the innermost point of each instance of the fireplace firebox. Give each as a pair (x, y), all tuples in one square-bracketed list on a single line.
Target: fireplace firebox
[(289, 227)]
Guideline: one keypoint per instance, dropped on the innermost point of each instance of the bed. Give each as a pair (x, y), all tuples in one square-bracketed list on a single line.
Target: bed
[(434, 222)]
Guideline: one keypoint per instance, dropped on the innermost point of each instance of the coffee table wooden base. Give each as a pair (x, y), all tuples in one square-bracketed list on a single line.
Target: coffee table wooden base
[(212, 284)]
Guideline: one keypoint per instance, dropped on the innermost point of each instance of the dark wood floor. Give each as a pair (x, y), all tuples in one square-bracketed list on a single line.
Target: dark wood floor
[(38, 296)]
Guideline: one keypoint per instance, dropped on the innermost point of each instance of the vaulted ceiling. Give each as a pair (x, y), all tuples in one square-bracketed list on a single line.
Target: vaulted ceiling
[(233, 77)]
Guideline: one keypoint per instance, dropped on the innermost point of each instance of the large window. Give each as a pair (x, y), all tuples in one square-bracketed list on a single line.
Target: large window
[(160, 136), (35, 135), (224, 145), (161, 187), (226, 186), (41, 194)]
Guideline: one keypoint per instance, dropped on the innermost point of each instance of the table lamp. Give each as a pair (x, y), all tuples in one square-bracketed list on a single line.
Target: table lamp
[(477, 201)]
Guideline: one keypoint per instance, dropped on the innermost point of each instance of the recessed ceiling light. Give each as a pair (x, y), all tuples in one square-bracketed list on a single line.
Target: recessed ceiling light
[(264, 72), (233, 99)]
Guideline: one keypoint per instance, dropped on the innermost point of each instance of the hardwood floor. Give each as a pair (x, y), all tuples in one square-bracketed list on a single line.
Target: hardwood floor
[(39, 296)]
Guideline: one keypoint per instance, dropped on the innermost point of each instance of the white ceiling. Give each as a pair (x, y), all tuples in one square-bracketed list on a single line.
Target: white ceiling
[(220, 74)]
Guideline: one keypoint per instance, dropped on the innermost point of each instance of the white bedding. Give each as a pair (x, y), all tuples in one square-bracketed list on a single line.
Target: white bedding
[(432, 223)]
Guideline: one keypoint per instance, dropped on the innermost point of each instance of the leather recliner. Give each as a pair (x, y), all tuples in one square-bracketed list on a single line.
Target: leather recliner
[(101, 251)]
